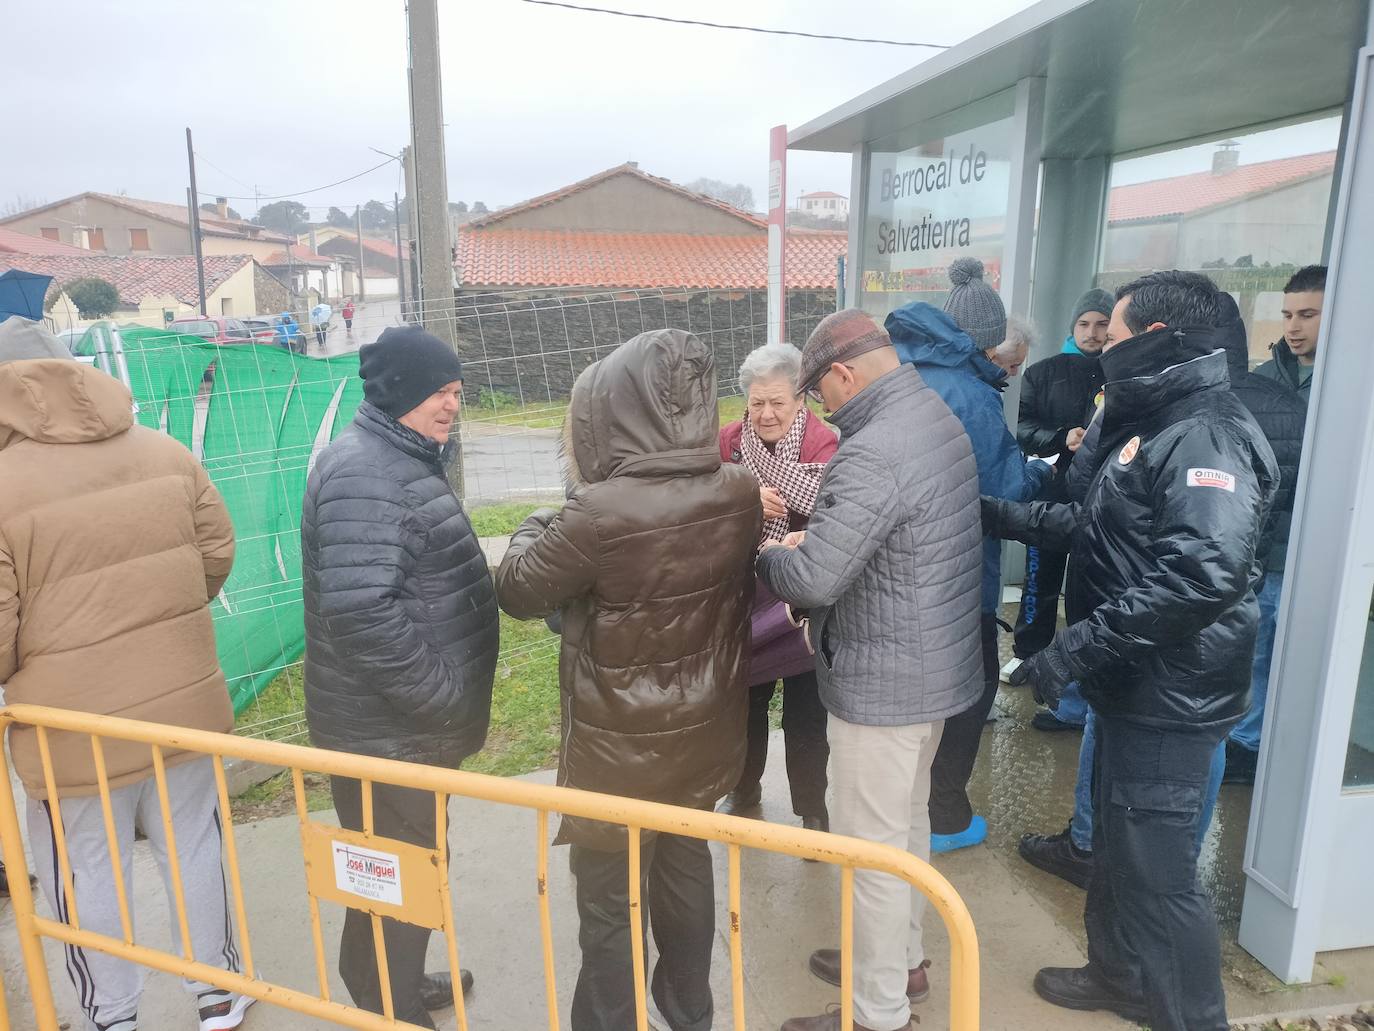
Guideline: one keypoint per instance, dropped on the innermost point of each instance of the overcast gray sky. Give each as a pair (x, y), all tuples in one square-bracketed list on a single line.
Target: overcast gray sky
[(290, 95), (285, 96)]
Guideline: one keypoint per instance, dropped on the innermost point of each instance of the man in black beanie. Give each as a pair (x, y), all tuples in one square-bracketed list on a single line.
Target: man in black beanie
[(400, 627)]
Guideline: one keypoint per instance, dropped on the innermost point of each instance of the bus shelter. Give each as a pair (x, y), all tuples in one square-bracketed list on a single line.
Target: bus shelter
[(1084, 142)]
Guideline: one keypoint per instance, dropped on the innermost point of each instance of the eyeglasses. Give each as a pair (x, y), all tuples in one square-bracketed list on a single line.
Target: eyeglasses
[(814, 393)]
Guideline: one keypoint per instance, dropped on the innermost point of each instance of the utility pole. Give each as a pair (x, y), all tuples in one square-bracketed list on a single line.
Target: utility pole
[(429, 202), (358, 225), (400, 256), (193, 199)]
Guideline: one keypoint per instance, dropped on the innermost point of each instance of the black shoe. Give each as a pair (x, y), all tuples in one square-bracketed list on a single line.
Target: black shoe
[(1076, 988), (1057, 854), (816, 823), (1240, 764), (741, 801), (436, 990), (1049, 722)]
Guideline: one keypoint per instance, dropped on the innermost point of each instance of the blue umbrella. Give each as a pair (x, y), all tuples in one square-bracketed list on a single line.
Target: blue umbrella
[(22, 293)]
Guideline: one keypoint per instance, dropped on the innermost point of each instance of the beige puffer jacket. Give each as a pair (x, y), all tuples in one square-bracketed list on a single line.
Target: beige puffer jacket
[(112, 541)]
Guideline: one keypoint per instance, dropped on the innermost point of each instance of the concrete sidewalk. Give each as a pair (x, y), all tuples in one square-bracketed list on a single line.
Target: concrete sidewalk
[(1025, 919), (789, 908)]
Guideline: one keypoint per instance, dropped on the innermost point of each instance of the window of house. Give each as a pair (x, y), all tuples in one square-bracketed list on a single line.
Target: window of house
[(50, 233), (226, 306), (1247, 210), (138, 240), (95, 239)]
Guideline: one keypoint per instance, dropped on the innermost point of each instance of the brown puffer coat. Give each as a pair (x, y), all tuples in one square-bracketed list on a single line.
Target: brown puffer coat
[(650, 562), (112, 540)]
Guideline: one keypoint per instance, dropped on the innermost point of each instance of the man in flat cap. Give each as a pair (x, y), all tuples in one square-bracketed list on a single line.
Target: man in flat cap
[(889, 570)]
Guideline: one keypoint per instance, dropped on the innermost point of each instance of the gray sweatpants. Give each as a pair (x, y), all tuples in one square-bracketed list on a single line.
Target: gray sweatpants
[(108, 988)]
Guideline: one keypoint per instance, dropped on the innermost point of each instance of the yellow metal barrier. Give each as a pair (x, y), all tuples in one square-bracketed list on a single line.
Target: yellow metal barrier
[(420, 874)]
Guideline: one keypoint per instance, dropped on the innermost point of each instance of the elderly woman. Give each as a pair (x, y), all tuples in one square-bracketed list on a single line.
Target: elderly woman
[(786, 448), (1010, 355)]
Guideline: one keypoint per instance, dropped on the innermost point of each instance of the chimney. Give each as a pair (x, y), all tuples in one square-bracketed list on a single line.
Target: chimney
[(222, 206), (1227, 157)]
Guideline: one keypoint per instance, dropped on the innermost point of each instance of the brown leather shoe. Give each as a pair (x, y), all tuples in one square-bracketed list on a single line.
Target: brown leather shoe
[(825, 964), (828, 1021)]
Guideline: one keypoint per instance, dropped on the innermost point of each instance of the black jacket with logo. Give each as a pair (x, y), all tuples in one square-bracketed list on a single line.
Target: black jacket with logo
[(1166, 538)]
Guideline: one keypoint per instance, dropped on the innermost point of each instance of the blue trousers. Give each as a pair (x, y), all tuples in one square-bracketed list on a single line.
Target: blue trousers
[(1081, 829), (1247, 731)]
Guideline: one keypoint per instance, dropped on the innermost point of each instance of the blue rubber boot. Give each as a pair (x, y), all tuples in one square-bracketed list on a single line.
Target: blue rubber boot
[(974, 834)]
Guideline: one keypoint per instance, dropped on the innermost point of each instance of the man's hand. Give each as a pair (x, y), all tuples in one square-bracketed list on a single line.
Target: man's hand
[(1047, 673), (794, 539), (1074, 438), (773, 505)]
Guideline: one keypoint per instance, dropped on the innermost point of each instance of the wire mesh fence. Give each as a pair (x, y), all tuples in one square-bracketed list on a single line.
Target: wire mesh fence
[(257, 415)]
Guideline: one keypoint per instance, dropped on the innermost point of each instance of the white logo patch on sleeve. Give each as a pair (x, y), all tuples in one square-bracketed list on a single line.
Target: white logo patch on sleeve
[(1211, 478)]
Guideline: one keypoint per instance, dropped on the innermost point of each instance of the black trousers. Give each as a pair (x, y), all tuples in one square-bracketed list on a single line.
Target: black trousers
[(679, 904), (319, 335), (1151, 929), (1039, 612), (803, 733), (950, 809), (407, 815)]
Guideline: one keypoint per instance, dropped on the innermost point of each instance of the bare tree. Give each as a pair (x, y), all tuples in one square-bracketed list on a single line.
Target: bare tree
[(21, 204), (735, 194)]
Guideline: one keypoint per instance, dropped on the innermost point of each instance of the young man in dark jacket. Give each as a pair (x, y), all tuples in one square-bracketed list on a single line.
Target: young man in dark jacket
[(1166, 545), (889, 569), (1295, 355), (1057, 402), (650, 563), (400, 626), (947, 349)]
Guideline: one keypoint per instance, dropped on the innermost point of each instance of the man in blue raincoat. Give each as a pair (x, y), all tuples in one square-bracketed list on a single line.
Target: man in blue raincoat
[(947, 349)]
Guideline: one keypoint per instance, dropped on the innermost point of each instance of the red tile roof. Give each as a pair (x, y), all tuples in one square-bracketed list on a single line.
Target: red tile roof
[(134, 277), (374, 244), (210, 225), (625, 169), (298, 256), (822, 194), (1188, 194), (570, 258), (22, 243)]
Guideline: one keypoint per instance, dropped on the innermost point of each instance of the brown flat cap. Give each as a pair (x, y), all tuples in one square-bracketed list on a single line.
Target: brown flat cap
[(840, 337)]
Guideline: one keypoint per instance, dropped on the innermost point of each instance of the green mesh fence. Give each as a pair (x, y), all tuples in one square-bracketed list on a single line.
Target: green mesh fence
[(254, 416)]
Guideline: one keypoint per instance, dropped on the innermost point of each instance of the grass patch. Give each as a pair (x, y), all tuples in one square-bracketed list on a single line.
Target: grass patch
[(501, 520), (524, 703), (277, 714)]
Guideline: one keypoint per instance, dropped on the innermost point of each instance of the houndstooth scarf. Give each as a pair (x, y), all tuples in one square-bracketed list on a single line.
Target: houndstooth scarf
[(798, 482)]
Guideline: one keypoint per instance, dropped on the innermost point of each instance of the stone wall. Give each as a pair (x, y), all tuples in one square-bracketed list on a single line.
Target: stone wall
[(532, 348)]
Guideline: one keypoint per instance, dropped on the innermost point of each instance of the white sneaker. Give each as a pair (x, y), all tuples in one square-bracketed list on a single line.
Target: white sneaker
[(221, 1010), (1012, 664)]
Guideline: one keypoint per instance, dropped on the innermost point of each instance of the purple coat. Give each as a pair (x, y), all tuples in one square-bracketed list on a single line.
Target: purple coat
[(777, 649)]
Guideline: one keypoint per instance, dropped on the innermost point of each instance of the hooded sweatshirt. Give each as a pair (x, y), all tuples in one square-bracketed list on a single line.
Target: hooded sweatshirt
[(651, 562), (971, 386), (112, 542)]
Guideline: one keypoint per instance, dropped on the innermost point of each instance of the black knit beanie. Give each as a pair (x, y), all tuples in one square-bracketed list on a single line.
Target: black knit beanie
[(404, 367)]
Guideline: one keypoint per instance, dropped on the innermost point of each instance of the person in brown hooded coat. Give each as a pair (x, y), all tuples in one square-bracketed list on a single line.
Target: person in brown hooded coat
[(650, 563)]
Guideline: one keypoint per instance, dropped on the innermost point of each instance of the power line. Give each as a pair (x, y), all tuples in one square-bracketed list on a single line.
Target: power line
[(302, 193), (221, 171), (738, 28)]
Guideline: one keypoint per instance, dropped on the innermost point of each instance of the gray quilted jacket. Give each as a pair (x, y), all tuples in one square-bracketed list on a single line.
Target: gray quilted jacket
[(890, 569)]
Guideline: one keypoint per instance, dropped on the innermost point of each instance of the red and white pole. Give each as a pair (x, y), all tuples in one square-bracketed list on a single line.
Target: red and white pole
[(777, 234)]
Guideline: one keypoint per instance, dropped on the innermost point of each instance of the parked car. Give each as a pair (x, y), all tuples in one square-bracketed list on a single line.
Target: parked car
[(264, 332), (215, 329)]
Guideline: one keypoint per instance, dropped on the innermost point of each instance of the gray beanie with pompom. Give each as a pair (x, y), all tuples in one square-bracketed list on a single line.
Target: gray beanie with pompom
[(974, 305)]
